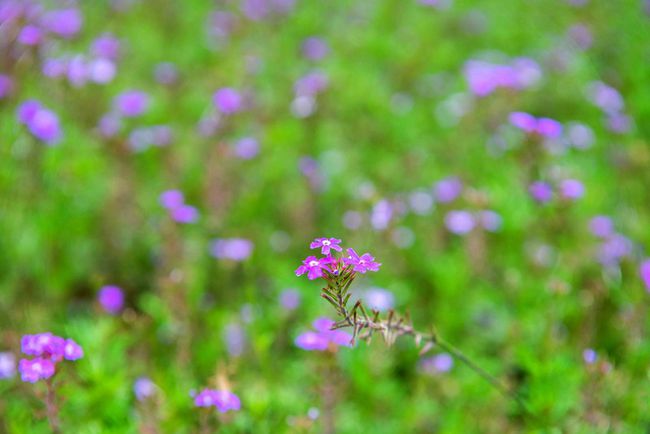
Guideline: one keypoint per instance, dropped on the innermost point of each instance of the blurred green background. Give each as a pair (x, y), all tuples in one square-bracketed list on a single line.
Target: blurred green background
[(396, 117)]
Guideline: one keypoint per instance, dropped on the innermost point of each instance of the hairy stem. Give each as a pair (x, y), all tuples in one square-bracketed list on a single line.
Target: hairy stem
[(51, 408)]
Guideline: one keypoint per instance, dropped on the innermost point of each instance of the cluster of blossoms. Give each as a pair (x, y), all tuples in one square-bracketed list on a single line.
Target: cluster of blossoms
[(542, 127), (568, 189), (306, 89), (98, 67), (41, 122), (179, 211), (461, 222), (48, 350), (484, 77), (324, 338), (33, 25), (614, 247), (235, 249), (611, 102), (351, 262), (223, 400), (228, 101)]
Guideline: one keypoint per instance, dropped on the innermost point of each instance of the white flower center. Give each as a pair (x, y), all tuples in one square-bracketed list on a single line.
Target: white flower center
[(326, 243), (313, 263)]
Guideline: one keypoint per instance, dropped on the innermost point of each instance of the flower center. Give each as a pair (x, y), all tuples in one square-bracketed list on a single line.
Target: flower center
[(326, 243), (313, 263)]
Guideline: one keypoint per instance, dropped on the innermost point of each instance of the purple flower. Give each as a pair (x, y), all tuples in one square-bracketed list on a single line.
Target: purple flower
[(143, 388), (290, 299), (106, 46), (44, 345), (171, 199), (379, 299), (6, 86), (545, 127), (448, 189), (185, 214), (109, 125), (247, 148), (236, 249), (313, 266), (27, 110), (111, 298), (459, 222), (580, 135), (314, 48), (484, 78), (381, 215), (37, 369), (523, 121), (7, 365), (311, 84), (601, 226), (166, 73), (323, 338), (613, 249), (63, 22), (235, 338), (605, 97), (325, 244), (571, 189), (228, 101), (437, 364), (589, 356), (30, 35), (72, 350), (490, 220), (619, 123), (101, 71), (131, 103), (45, 126), (361, 264), (541, 191), (644, 272), (223, 400)]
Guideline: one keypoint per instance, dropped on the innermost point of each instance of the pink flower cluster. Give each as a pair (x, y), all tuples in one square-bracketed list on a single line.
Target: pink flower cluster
[(352, 261), (223, 400), (48, 350)]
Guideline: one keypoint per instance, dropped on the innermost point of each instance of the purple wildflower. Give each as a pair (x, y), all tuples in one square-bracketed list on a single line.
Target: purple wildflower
[(572, 189), (185, 214), (545, 127), (323, 338), (381, 215), (143, 388), (131, 103), (490, 220), (312, 341), (325, 244), (379, 299), (72, 350), (166, 73), (437, 364), (247, 148), (63, 22), (111, 299), (30, 35), (589, 356), (311, 84), (171, 199), (223, 400), (313, 267), (101, 71), (361, 264), (290, 299), (236, 249), (448, 189), (460, 222), (44, 345), (314, 48), (36, 369), (7, 365), (601, 226), (106, 46), (228, 101), (541, 191)]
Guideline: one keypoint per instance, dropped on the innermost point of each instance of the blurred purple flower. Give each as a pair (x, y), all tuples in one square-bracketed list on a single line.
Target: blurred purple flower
[(171, 199), (325, 244), (109, 125), (247, 148), (311, 84), (572, 189), (228, 101), (580, 135), (545, 127), (63, 22), (7, 365), (485, 77), (223, 400), (314, 48), (605, 97), (448, 189), (43, 344), (131, 103), (236, 249), (489, 220), (235, 338), (101, 71), (72, 350), (106, 46), (111, 299), (459, 222), (437, 364), (541, 191), (323, 338), (589, 356), (166, 73), (41, 122), (185, 214), (619, 123), (381, 215), (54, 67), (379, 299), (30, 35), (614, 249), (143, 388), (290, 299), (580, 35), (601, 226)]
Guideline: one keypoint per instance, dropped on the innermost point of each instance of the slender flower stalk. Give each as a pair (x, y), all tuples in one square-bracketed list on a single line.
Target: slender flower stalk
[(339, 273)]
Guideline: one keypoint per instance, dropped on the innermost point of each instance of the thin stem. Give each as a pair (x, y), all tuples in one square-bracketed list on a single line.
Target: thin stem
[(51, 408)]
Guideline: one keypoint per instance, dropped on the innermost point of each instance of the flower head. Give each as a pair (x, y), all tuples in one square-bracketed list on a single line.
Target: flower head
[(37, 369), (325, 244), (223, 400), (313, 266), (323, 338), (361, 264), (228, 101), (131, 103), (111, 298), (143, 388)]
